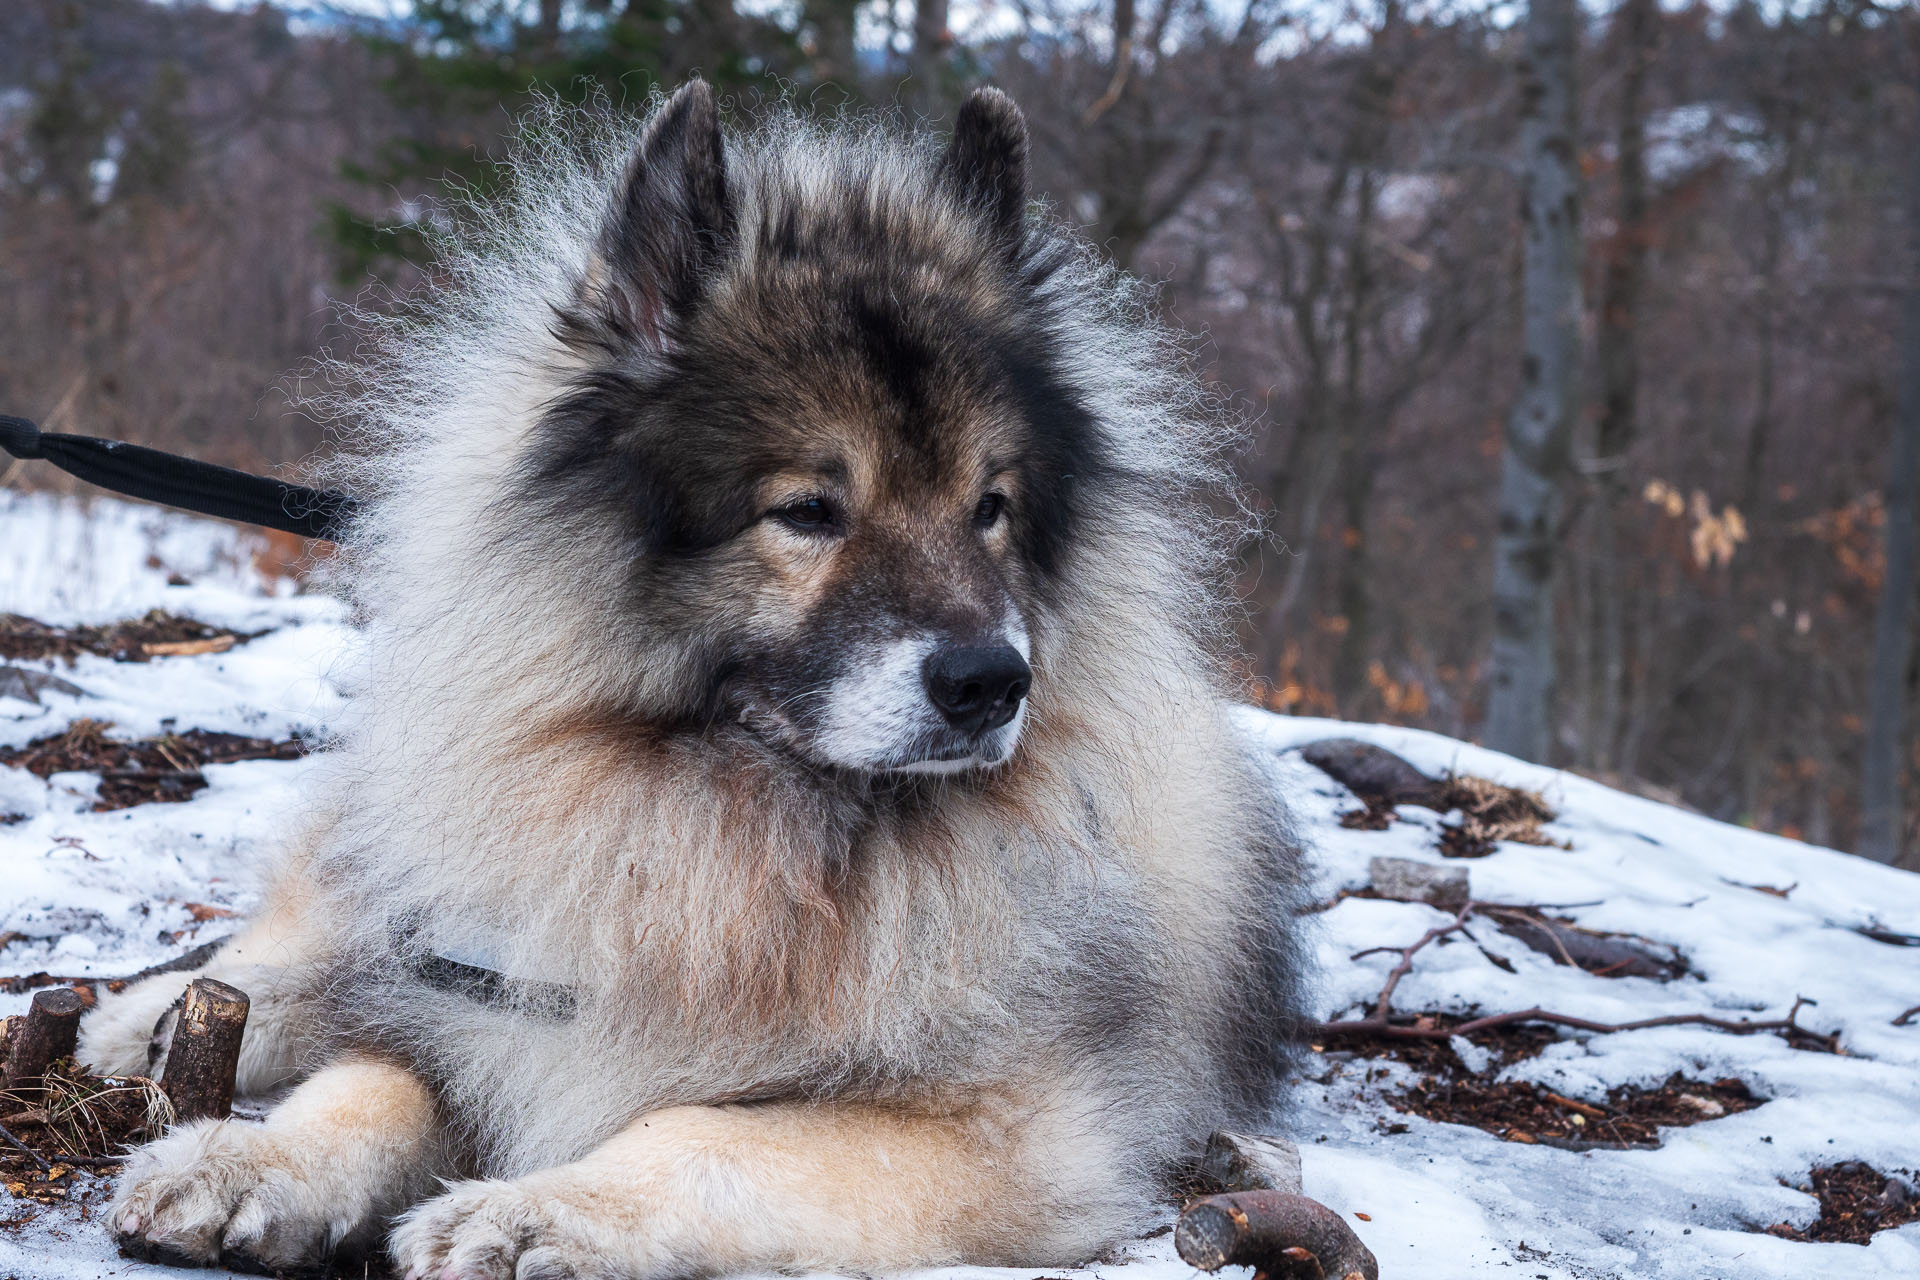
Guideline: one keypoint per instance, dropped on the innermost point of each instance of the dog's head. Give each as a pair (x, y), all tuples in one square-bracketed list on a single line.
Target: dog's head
[(825, 411)]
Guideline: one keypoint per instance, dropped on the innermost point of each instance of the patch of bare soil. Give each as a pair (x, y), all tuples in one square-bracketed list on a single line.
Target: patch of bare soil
[(1521, 1112), (1856, 1200), (1514, 1042), (142, 770), (157, 635), (75, 1127)]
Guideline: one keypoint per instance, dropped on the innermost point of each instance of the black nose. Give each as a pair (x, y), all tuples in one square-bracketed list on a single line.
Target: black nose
[(977, 689)]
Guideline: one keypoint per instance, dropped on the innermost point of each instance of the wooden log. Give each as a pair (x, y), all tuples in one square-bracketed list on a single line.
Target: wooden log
[(198, 1078), (1372, 773), (1287, 1237), (52, 1025)]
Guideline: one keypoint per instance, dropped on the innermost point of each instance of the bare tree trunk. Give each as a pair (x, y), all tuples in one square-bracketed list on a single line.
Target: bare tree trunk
[(926, 88), (1361, 424), (834, 54), (1882, 822), (1619, 368), (548, 30), (1538, 437)]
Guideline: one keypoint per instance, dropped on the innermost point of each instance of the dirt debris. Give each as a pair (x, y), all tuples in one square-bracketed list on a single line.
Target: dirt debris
[(1514, 1042), (1530, 1113), (1856, 1200), (76, 1126), (134, 771), (158, 634), (1489, 811)]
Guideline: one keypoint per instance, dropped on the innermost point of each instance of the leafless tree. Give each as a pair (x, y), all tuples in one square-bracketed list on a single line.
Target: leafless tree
[(1534, 465), (1883, 765)]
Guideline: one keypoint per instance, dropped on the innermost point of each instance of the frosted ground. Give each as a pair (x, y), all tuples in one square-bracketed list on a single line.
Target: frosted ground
[(105, 892)]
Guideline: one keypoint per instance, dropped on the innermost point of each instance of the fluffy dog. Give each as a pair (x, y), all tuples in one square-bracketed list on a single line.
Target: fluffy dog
[(788, 817)]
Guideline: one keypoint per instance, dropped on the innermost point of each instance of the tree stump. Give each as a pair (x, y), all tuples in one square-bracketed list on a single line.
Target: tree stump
[(198, 1078), (48, 1033)]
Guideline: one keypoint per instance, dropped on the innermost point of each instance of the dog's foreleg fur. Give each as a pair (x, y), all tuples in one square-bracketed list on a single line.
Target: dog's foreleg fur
[(118, 1037), (813, 1187), (347, 1149)]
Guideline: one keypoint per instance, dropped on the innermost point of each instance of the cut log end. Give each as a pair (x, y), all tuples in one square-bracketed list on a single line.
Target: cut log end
[(46, 1035), (205, 1053), (1207, 1236)]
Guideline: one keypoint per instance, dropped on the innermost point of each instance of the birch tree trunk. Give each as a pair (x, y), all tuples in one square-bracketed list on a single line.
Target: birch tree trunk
[(1539, 431), (1882, 820)]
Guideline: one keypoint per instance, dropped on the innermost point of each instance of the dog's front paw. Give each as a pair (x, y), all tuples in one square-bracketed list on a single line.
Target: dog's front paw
[(490, 1230), (221, 1191)]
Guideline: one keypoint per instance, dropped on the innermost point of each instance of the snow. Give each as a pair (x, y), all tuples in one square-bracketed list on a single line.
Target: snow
[(104, 893)]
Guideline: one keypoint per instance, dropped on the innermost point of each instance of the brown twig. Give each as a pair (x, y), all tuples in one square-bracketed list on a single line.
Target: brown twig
[(1377, 1026), (6, 1135), (16, 984), (1383, 1004), (1906, 1019), (1122, 65), (1380, 1023), (92, 1162)]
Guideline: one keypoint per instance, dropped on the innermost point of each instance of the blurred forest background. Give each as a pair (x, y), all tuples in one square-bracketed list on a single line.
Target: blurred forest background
[(1674, 398)]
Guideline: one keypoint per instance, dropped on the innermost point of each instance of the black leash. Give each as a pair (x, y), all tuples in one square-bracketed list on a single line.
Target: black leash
[(168, 478)]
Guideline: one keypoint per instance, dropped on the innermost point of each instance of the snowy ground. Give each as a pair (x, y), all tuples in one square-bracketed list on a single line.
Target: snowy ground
[(105, 893)]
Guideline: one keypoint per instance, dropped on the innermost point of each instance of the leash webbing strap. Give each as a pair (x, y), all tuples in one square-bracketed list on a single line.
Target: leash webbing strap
[(168, 478)]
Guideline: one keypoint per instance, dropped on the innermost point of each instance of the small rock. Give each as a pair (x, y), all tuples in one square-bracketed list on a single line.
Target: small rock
[(1252, 1162), (24, 684), (1404, 880)]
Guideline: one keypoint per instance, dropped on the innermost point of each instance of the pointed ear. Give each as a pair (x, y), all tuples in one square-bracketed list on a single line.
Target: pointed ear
[(986, 163), (671, 220)]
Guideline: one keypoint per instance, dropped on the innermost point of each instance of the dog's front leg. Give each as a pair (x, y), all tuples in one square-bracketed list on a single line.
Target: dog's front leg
[(833, 1186), (347, 1149)]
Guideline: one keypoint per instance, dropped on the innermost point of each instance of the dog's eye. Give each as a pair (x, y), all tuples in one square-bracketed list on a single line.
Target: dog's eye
[(810, 514), (989, 510)]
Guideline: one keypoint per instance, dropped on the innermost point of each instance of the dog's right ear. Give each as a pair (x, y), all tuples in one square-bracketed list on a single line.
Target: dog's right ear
[(986, 163), (671, 222)]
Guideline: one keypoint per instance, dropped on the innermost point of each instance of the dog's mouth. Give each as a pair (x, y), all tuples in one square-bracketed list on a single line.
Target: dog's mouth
[(960, 753), (930, 752)]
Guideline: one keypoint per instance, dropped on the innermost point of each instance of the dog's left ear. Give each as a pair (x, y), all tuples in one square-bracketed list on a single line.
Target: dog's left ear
[(671, 222), (986, 163)]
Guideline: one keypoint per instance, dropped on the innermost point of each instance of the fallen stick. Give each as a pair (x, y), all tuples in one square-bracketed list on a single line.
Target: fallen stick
[(52, 1025), (198, 1079), (1283, 1236), (19, 983), (6, 1135), (1383, 1003), (1906, 1019), (1377, 1026)]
